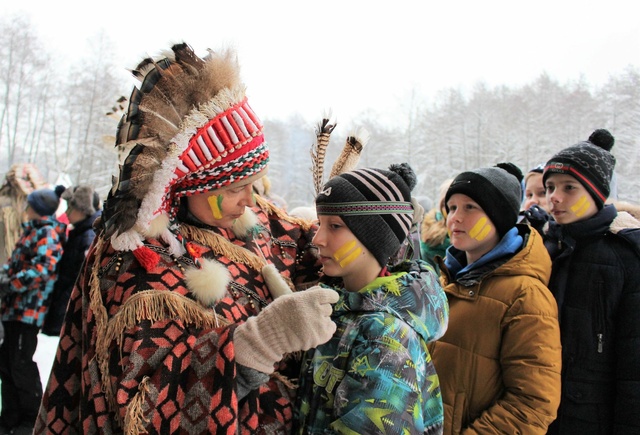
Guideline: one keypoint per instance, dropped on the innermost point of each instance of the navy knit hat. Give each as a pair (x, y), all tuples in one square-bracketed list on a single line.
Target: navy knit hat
[(374, 204), (45, 202), (589, 163), (497, 190)]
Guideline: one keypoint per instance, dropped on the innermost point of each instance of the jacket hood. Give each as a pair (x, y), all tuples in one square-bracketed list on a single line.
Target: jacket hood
[(404, 294), (624, 206), (43, 222), (531, 260), (624, 221)]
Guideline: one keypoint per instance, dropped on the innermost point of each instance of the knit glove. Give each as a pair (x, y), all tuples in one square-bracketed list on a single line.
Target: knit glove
[(293, 322)]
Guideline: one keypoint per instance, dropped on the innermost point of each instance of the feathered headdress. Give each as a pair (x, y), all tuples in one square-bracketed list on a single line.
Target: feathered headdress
[(190, 130)]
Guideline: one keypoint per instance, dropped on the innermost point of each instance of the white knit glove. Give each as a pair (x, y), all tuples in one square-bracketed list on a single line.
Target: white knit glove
[(293, 322)]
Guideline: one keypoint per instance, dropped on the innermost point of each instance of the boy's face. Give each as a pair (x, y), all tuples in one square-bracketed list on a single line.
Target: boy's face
[(340, 252), (470, 229), (534, 192), (568, 200)]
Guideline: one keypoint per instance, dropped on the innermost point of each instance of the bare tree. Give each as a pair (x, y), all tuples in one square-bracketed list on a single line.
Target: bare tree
[(23, 72)]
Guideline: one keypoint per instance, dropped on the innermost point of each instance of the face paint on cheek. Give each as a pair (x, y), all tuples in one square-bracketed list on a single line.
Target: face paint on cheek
[(215, 202), (347, 253), (480, 230), (580, 207)]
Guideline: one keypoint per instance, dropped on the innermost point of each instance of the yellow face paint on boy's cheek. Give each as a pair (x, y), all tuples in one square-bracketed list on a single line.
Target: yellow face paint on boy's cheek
[(481, 229), (580, 207), (347, 253), (215, 202)]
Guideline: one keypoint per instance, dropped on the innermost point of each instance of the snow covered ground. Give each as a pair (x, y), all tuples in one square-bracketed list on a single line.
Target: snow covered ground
[(44, 356)]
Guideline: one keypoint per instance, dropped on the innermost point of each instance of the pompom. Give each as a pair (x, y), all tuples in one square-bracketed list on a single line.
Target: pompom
[(407, 174), (512, 169), (146, 257), (59, 190), (209, 283), (602, 138)]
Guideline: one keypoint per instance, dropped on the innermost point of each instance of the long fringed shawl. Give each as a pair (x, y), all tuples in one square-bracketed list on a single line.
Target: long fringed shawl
[(152, 305)]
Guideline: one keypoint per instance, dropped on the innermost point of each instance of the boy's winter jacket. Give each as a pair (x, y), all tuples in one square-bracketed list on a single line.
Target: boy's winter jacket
[(375, 375), (596, 281), (75, 249), (499, 361), (32, 271)]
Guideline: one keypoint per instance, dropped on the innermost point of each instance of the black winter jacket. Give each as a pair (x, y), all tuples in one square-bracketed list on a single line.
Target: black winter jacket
[(73, 253), (596, 281)]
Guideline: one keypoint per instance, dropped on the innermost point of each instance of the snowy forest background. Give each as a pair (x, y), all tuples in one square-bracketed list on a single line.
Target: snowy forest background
[(54, 115)]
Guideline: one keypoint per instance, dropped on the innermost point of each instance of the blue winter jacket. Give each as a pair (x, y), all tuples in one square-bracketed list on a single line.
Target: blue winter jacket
[(32, 270)]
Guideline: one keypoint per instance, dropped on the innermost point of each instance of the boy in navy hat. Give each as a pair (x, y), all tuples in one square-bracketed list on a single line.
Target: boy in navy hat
[(27, 282), (595, 280)]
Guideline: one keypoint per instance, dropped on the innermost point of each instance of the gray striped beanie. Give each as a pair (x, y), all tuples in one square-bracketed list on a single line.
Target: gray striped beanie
[(374, 204)]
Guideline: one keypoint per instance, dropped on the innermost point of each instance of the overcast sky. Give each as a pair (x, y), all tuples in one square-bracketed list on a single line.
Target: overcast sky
[(350, 55)]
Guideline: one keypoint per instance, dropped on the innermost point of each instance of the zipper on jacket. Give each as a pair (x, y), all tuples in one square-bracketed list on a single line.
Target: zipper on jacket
[(600, 342), (600, 319)]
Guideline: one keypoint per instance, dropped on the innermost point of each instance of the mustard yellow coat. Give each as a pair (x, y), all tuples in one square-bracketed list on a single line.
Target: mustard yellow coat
[(499, 361)]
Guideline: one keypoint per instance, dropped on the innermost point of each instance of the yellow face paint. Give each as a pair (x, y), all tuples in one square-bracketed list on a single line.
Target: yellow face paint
[(580, 207), (481, 229), (347, 253), (215, 202)]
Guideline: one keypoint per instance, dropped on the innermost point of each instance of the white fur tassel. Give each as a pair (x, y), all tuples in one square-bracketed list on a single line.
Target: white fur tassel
[(157, 226), (128, 241), (209, 283), (245, 223), (275, 282), (175, 247)]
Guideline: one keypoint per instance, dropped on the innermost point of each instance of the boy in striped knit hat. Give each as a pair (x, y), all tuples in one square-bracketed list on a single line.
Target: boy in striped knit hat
[(375, 374)]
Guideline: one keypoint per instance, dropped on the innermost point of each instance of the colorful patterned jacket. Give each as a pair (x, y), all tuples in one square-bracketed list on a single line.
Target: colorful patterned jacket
[(32, 270), (140, 354), (375, 375)]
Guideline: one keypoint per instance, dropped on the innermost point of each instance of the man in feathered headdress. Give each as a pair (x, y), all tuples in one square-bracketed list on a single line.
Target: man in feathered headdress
[(184, 319)]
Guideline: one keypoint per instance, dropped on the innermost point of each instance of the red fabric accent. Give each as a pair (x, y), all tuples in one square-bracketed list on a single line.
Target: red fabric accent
[(194, 250), (218, 127), (252, 115), (384, 272), (241, 137), (212, 147), (189, 163), (147, 258), (195, 146), (248, 122)]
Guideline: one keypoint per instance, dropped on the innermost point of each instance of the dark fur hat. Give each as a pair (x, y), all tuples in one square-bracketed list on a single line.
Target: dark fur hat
[(81, 198)]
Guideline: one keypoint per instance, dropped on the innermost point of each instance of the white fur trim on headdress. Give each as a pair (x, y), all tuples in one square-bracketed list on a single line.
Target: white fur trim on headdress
[(208, 283)]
